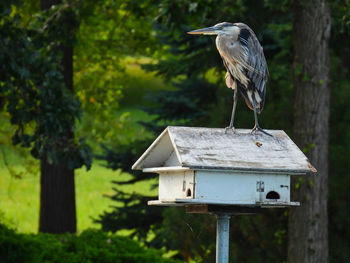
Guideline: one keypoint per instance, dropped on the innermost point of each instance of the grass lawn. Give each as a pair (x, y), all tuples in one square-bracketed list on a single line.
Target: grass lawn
[(19, 198)]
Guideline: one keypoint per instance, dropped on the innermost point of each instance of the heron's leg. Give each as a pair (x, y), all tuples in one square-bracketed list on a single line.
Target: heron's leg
[(233, 111), (256, 126)]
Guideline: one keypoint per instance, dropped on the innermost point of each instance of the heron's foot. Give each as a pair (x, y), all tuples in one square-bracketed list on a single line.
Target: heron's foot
[(257, 128), (230, 128)]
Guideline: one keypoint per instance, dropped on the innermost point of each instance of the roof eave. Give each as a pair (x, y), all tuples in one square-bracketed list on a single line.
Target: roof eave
[(226, 169)]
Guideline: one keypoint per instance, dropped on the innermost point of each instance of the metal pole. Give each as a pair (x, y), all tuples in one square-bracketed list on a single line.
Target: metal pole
[(222, 237)]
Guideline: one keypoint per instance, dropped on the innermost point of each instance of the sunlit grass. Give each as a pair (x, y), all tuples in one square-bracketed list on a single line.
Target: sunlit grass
[(93, 186), (19, 198)]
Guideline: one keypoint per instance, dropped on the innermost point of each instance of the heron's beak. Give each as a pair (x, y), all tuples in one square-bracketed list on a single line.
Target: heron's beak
[(205, 31)]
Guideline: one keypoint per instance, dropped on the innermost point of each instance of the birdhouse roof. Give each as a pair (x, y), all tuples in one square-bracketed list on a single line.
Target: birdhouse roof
[(213, 149)]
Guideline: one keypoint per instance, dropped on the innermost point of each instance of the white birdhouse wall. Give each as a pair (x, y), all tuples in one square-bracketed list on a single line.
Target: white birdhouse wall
[(224, 187), (174, 185)]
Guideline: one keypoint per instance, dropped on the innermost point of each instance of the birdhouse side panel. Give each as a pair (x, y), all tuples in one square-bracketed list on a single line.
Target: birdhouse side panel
[(242, 188), (173, 185), (226, 186)]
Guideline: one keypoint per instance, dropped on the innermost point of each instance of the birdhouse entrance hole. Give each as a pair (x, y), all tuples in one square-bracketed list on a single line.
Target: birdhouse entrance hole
[(188, 193), (272, 195)]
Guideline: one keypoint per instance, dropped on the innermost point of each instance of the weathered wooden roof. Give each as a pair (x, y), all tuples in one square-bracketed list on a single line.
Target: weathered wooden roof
[(211, 148)]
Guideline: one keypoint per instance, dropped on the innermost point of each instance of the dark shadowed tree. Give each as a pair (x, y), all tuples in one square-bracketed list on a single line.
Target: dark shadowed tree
[(308, 224), (36, 81), (57, 192)]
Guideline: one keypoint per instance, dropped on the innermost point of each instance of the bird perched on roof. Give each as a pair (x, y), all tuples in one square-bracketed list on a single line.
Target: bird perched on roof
[(245, 63)]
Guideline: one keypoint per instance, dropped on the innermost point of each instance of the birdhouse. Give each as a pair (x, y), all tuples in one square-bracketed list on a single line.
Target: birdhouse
[(208, 166)]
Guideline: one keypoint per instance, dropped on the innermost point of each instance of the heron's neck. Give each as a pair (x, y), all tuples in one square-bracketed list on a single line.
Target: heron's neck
[(224, 41)]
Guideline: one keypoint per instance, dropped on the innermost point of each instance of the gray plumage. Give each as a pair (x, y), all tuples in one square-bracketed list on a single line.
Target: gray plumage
[(245, 63)]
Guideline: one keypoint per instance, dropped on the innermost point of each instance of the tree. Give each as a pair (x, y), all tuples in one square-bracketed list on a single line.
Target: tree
[(41, 108), (308, 224), (57, 192)]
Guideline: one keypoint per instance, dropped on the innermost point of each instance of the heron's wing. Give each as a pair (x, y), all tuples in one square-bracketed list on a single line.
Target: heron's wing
[(257, 72), (253, 59)]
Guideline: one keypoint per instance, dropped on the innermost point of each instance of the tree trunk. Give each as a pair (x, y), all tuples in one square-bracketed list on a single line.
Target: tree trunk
[(308, 224), (57, 199), (57, 194)]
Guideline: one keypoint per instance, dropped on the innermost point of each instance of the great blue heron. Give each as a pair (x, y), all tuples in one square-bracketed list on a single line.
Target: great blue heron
[(245, 63)]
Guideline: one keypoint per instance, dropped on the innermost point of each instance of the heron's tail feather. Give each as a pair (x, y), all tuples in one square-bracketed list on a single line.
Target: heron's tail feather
[(252, 97)]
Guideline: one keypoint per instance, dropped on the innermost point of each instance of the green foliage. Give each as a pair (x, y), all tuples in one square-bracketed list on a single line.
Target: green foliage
[(90, 246), (339, 136), (11, 154), (193, 66), (200, 98), (108, 33), (33, 90), (192, 235), (144, 219)]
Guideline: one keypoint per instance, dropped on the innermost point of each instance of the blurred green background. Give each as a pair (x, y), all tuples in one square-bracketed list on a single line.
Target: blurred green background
[(135, 72)]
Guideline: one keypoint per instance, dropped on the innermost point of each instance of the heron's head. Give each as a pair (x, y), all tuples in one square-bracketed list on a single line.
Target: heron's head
[(219, 29)]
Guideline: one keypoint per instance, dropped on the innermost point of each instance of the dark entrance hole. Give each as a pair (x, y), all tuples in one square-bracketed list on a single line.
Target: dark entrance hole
[(188, 193), (272, 195)]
